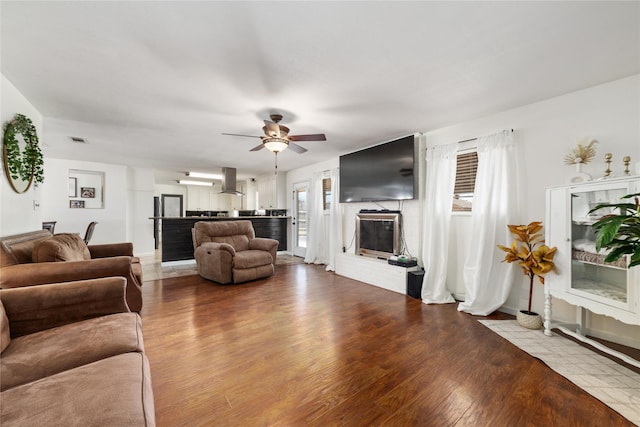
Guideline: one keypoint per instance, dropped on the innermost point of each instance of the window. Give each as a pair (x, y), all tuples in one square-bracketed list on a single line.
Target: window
[(466, 169), (326, 193)]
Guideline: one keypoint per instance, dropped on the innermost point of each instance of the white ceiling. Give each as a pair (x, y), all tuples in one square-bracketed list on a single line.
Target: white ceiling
[(155, 84)]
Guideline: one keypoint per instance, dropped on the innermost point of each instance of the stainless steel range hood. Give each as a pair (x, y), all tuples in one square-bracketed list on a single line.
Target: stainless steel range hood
[(229, 182)]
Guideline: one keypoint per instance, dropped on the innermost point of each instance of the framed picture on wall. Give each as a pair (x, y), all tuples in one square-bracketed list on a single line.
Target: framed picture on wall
[(88, 192), (73, 187), (76, 204)]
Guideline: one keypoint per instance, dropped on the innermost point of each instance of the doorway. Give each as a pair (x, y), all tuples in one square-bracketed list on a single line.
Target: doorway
[(299, 218)]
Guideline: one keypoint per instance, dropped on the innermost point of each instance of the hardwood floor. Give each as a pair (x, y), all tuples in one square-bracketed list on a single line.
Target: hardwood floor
[(310, 348)]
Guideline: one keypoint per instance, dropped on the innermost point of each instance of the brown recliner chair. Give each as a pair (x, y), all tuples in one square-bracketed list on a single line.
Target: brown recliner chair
[(230, 252), (33, 258)]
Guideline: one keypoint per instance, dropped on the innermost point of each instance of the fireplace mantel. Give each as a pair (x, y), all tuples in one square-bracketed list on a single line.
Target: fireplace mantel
[(373, 271)]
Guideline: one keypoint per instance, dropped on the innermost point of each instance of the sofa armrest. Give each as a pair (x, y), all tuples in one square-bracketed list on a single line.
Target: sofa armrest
[(111, 250), (41, 273), (36, 308), (263, 244), (213, 246)]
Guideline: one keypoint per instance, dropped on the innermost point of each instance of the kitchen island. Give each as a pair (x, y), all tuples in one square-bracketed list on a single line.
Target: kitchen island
[(177, 243)]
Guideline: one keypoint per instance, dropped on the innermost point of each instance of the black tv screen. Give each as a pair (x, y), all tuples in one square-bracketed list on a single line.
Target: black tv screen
[(379, 173)]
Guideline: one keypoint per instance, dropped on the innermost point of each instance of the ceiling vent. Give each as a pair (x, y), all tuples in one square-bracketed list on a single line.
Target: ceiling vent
[(78, 140), (229, 181)]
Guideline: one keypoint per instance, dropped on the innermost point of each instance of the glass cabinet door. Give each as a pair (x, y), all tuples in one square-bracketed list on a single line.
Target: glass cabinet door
[(591, 277)]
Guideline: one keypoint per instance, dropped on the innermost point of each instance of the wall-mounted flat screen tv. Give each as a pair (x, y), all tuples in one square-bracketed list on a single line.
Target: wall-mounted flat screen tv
[(379, 173)]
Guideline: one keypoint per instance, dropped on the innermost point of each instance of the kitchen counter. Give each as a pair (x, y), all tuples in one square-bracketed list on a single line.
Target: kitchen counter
[(207, 218), (177, 243)]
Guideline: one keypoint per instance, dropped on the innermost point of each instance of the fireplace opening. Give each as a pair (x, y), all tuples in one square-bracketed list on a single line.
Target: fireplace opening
[(378, 233)]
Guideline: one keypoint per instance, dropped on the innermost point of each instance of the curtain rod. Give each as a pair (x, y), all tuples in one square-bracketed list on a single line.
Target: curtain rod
[(473, 139)]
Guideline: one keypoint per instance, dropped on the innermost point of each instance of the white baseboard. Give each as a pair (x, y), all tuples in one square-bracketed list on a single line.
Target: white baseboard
[(177, 263), (629, 342)]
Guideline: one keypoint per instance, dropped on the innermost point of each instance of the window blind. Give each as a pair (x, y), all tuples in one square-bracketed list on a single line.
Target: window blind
[(466, 169), (326, 193), (467, 166)]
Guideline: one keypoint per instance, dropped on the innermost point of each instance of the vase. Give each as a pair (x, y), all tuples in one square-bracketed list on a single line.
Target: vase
[(529, 319), (579, 176)]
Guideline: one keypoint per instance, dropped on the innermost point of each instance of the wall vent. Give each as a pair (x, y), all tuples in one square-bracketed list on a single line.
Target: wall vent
[(78, 139)]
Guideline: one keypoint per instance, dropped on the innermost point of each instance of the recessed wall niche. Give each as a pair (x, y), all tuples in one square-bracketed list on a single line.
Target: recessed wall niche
[(86, 189)]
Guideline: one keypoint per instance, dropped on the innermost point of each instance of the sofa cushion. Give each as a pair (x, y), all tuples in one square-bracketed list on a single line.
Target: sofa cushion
[(5, 335), (239, 242), (235, 233), (35, 356), (251, 258), (247, 274), (61, 247), (111, 392), (18, 248)]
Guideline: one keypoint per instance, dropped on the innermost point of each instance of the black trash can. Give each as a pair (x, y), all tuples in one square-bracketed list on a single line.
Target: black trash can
[(414, 284)]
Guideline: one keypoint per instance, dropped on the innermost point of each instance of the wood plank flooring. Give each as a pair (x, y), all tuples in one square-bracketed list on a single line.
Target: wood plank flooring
[(311, 348)]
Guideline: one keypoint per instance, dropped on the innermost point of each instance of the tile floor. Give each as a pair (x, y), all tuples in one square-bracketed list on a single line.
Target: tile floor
[(615, 385)]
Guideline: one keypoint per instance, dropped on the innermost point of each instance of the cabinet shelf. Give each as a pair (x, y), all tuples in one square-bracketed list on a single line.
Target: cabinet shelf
[(584, 221), (597, 259), (601, 290)]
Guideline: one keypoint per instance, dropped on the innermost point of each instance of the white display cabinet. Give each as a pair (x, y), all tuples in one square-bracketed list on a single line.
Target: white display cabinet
[(583, 278)]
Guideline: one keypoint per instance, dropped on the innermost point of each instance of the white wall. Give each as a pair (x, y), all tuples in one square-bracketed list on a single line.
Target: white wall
[(17, 213), (126, 211), (112, 219), (128, 203), (545, 132), (140, 188)]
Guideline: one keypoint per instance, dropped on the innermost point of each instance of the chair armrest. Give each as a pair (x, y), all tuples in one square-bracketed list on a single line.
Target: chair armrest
[(55, 272), (36, 308), (213, 246), (263, 244), (111, 250)]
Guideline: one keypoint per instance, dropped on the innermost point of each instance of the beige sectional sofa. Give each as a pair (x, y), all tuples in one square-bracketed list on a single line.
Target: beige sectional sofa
[(73, 355)]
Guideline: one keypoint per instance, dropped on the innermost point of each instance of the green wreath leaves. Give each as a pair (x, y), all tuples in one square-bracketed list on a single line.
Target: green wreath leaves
[(28, 164)]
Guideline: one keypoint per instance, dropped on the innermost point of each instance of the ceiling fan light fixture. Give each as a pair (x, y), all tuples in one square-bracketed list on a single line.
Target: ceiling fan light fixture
[(276, 145)]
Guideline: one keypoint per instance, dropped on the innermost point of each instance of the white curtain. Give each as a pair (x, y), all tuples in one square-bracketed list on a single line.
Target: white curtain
[(488, 280), (440, 182), (317, 233), (324, 227)]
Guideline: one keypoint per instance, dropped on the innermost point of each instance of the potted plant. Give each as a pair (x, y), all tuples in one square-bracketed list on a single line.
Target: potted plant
[(535, 258), (620, 233)]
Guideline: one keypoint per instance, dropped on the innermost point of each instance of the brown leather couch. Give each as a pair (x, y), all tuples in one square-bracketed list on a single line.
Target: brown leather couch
[(73, 355), (38, 257), (230, 252)]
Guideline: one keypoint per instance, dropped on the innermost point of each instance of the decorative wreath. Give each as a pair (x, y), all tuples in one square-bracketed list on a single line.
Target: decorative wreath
[(25, 165)]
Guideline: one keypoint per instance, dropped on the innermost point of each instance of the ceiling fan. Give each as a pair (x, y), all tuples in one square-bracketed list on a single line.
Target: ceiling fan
[(277, 137)]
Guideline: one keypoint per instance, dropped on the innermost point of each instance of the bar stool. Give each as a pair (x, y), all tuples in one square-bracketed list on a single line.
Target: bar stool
[(89, 233), (49, 225)]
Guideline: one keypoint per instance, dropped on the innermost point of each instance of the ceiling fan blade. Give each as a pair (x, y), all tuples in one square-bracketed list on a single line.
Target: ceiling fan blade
[(272, 129), (237, 134), (297, 148), (316, 137), (257, 147)]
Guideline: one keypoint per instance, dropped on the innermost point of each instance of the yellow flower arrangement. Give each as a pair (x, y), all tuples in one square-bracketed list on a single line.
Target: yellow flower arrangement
[(529, 251)]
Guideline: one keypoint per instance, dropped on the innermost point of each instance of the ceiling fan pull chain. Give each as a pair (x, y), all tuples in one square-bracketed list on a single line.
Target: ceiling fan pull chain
[(276, 153)]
